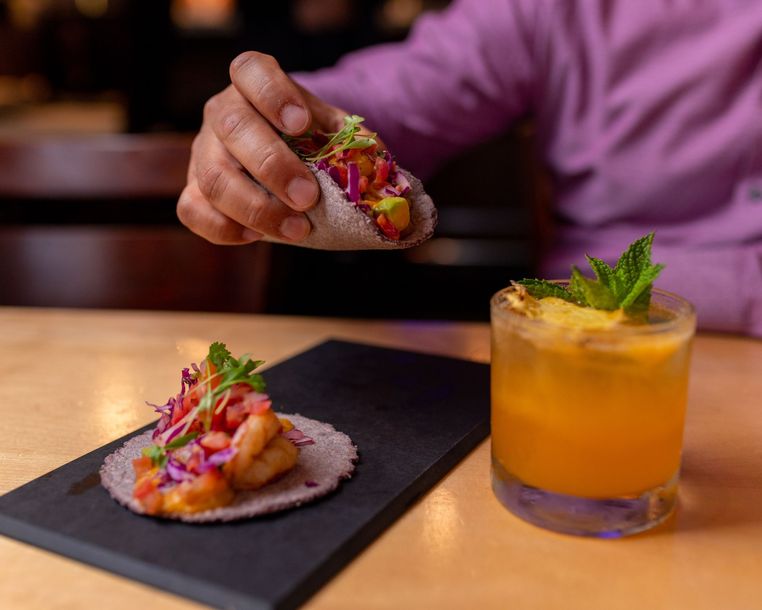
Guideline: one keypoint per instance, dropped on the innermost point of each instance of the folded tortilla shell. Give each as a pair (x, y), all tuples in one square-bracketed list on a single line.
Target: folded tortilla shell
[(337, 224), (318, 471)]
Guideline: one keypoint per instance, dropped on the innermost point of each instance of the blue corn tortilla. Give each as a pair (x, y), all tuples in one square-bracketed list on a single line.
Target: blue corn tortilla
[(337, 224)]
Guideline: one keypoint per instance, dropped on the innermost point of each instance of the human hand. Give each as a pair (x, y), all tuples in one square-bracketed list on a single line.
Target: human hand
[(243, 180)]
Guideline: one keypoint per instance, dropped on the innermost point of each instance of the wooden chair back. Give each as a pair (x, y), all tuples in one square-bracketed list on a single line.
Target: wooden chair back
[(118, 166), (89, 221)]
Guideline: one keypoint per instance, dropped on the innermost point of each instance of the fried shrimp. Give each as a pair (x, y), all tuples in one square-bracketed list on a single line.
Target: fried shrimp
[(262, 453), (252, 437), (208, 491), (277, 458)]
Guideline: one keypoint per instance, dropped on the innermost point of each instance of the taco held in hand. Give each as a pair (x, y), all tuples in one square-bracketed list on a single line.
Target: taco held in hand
[(367, 201)]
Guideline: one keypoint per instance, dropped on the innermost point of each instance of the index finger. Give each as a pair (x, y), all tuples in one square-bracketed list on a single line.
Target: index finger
[(259, 78), (250, 139)]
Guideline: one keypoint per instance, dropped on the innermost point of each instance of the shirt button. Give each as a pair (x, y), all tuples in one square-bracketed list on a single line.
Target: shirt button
[(755, 194)]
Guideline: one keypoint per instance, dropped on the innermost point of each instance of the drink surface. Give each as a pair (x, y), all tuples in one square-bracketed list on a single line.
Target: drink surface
[(586, 402)]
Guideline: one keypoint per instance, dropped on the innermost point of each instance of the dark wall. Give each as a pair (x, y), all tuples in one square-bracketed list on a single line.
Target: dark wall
[(165, 73)]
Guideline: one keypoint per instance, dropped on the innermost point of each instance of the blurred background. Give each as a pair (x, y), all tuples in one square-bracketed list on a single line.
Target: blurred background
[(99, 100)]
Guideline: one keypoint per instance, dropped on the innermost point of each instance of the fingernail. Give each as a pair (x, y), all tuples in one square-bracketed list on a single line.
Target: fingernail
[(302, 192), (293, 117), (295, 228), (249, 235)]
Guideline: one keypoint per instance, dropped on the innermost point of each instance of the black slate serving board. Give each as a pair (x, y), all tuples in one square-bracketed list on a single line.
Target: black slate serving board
[(412, 416)]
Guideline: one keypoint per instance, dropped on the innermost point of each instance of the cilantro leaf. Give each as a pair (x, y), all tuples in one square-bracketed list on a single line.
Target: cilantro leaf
[(218, 354), (240, 371), (542, 288), (229, 372), (157, 455), (180, 441)]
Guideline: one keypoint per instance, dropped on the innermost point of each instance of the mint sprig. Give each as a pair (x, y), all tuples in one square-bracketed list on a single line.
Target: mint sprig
[(625, 286)]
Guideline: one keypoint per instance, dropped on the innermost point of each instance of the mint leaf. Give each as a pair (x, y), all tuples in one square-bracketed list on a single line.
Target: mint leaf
[(636, 274), (633, 261), (577, 290), (218, 354), (542, 288), (592, 293), (641, 287), (605, 275), (639, 308)]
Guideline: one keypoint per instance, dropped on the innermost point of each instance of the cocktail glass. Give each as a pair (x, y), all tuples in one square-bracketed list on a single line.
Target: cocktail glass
[(587, 425)]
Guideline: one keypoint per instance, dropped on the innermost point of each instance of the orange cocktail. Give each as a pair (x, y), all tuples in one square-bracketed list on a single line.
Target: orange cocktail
[(588, 411)]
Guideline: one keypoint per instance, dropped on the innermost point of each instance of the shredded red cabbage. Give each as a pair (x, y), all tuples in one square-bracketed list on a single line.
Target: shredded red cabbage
[(298, 438), (390, 191), (402, 183), (353, 182), (163, 409), (174, 433), (177, 471), (335, 175), (166, 481), (161, 426), (222, 457), (185, 381)]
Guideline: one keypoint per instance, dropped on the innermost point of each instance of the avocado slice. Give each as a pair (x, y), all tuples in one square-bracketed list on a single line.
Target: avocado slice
[(396, 209)]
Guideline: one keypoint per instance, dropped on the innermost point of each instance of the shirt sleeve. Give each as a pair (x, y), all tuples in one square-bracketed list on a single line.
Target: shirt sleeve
[(462, 76)]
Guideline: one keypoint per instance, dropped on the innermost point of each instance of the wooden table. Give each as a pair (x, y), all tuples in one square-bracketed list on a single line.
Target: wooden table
[(71, 381)]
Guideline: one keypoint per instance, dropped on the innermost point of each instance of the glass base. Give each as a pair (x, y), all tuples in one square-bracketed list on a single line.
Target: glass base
[(601, 518)]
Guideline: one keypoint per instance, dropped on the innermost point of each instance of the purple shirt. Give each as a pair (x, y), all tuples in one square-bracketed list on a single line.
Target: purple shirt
[(649, 114)]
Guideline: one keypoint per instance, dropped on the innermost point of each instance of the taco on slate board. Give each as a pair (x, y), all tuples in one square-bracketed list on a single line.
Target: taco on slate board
[(219, 452)]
